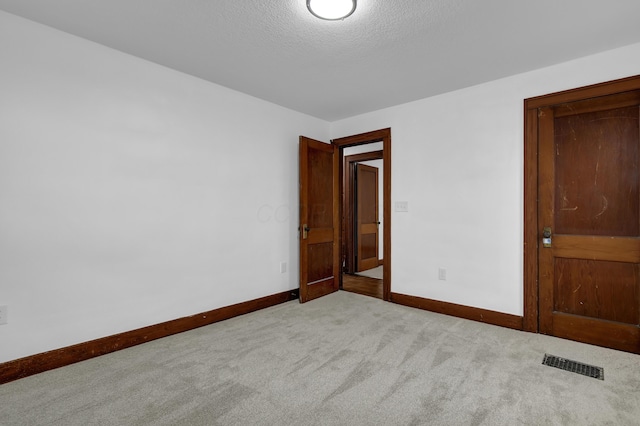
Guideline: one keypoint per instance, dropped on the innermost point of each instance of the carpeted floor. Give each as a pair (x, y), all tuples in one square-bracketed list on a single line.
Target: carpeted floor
[(372, 273), (344, 359)]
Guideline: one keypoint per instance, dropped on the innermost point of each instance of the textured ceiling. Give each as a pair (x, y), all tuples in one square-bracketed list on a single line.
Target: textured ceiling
[(387, 53)]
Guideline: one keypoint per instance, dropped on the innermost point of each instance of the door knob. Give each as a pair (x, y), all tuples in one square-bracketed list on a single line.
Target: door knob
[(546, 237)]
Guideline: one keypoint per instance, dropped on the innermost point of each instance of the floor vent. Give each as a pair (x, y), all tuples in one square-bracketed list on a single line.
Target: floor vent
[(573, 366)]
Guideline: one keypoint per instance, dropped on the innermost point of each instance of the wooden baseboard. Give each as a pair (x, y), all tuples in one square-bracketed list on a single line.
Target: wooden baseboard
[(380, 262), (34, 364), (460, 311)]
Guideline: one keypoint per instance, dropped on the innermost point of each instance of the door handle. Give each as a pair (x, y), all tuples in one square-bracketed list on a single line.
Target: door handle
[(546, 237), (305, 231)]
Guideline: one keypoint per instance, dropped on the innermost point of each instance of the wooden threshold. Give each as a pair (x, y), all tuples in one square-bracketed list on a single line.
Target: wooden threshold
[(34, 364), (362, 285), (460, 311)]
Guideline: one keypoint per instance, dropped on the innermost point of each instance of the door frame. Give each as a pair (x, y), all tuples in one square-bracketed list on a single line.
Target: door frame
[(532, 229), (384, 136), (348, 211)]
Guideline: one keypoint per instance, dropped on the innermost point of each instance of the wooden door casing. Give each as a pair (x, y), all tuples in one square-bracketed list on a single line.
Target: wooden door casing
[(586, 181)]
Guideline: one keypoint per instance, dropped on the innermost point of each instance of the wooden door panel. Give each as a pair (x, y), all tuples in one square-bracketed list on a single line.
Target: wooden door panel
[(319, 219), (320, 169), (369, 228), (614, 335), (599, 103), (319, 262), (597, 248), (589, 195), (596, 173), (597, 289), (368, 247)]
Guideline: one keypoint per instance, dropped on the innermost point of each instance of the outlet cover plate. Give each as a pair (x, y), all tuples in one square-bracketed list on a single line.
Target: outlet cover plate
[(442, 274), (3, 314)]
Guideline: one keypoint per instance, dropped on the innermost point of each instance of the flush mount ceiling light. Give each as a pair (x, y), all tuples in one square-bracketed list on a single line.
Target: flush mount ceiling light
[(331, 10)]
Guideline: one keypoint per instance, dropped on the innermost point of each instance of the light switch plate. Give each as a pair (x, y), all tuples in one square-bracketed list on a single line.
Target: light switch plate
[(402, 206)]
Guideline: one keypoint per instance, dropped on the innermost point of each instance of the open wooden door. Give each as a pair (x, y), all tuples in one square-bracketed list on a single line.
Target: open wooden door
[(589, 220), (319, 219), (367, 223)]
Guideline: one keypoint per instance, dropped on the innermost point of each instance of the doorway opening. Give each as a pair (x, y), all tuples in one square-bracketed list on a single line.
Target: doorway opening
[(365, 213), (321, 208), (362, 239)]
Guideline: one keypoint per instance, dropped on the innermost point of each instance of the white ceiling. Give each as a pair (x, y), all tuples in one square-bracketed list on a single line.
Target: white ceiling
[(387, 53)]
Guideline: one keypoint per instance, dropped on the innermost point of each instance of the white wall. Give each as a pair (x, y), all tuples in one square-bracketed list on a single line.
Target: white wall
[(458, 160), (131, 194)]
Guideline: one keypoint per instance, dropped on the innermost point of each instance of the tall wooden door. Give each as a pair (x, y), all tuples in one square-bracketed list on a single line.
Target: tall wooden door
[(319, 219), (589, 221), (367, 223)]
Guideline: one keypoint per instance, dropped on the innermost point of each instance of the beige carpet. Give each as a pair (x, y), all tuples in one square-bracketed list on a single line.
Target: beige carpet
[(344, 359), (372, 273)]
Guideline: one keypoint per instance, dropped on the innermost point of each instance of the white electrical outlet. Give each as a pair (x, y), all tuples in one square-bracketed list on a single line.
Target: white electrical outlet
[(442, 274), (283, 267), (3, 314)]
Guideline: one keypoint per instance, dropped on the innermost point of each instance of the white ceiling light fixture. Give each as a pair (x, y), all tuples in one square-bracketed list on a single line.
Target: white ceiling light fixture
[(331, 10)]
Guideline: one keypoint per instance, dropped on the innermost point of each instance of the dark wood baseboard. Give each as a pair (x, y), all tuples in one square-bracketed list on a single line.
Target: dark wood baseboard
[(460, 311), (380, 262), (34, 364)]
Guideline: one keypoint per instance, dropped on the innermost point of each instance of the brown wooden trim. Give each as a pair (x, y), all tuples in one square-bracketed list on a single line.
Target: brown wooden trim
[(623, 337), (365, 156), (586, 92), (603, 103), (362, 138), (383, 135), (545, 197), (614, 249), (532, 108), (348, 208), (460, 311), (34, 364), (530, 319), (380, 262)]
